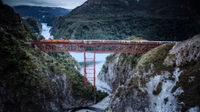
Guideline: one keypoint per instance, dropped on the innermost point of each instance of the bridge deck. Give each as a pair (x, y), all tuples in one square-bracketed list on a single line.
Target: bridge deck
[(117, 46)]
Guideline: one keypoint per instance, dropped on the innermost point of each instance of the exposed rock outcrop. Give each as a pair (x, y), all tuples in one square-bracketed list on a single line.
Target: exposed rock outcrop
[(164, 79), (117, 69), (184, 52)]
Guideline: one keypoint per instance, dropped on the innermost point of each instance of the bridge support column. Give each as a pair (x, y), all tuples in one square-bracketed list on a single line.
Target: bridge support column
[(85, 74), (90, 68)]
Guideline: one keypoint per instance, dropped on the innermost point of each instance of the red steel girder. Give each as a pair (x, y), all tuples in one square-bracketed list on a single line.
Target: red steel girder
[(136, 48)]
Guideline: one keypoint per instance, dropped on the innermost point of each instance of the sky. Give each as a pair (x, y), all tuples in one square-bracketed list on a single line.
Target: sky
[(68, 4)]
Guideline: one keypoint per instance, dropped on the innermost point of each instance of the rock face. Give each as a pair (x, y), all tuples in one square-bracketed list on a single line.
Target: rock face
[(119, 19), (183, 53), (108, 73), (164, 79), (117, 69)]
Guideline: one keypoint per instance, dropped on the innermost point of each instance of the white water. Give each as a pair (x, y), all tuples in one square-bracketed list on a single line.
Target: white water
[(45, 31), (100, 58)]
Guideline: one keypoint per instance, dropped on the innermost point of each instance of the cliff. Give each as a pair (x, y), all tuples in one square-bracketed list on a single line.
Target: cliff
[(36, 81), (119, 19), (164, 79), (117, 69)]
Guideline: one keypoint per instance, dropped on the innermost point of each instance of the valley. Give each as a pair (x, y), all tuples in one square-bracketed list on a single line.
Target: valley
[(164, 79)]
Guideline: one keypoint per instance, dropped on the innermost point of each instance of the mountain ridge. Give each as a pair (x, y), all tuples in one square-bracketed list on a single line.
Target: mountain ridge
[(153, 7), (47, 15), (119, 19)]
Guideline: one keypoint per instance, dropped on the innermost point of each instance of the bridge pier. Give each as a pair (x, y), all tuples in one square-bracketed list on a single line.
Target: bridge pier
[(90, 68)]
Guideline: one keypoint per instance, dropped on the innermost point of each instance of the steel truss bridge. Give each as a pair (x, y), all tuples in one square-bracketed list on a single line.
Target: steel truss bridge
[(95, 46)]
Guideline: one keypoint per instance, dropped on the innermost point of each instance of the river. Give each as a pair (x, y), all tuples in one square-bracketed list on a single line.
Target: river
[(45, 31), (100, 59)]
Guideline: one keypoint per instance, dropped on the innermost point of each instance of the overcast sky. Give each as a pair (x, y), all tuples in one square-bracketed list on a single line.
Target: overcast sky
[(69, 4)]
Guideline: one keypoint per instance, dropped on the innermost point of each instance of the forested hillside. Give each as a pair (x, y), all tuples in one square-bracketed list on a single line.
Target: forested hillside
[(119, 19), (33, 24), (47, 15), (36, 81)]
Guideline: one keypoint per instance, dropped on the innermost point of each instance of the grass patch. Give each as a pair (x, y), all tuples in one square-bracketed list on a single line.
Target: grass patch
[(158, 89), (118, 93), (78, 89), (133, 83), (156, 57), (105, 69)]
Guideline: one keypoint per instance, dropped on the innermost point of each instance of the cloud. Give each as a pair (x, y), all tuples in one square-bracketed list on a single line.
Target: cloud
[(69, 4)]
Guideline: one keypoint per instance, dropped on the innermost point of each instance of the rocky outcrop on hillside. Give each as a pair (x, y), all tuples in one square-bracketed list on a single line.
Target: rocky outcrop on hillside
[(35, 81), (119, 19), (164, 79), (117, 69), (184, 52)]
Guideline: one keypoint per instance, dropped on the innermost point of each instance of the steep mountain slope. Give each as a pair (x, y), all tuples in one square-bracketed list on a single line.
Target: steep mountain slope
[(44, 14), (165, 79), (35, 81), (151, 7), (33, 24), (118, 19)]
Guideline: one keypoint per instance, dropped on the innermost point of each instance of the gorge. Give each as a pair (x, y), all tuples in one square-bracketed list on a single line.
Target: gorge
[(164, 79)]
